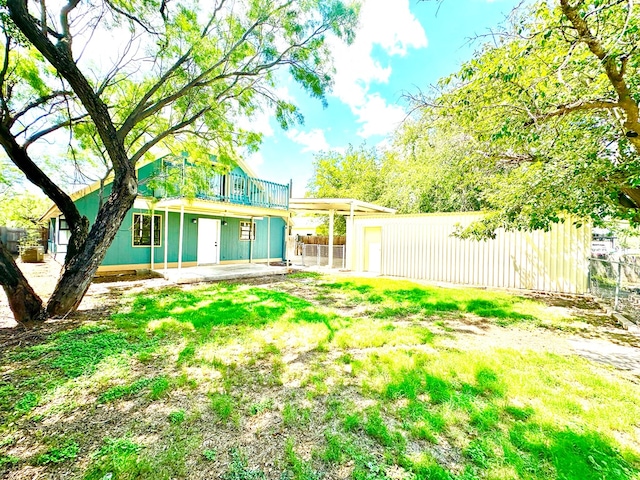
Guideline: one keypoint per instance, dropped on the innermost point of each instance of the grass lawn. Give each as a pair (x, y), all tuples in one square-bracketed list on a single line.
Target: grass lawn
[(318, 377)]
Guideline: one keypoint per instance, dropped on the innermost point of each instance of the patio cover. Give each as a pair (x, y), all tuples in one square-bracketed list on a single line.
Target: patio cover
[(342, 206)]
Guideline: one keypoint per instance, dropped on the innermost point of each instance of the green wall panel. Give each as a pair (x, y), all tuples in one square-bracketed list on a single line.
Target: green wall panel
[(122, 251)]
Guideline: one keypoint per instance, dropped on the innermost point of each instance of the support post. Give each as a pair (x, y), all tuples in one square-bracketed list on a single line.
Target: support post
[(350, 239), (268, 241), (153, 237), (166, 237), (251, 241), (180, 237), (331, 224), (616, 303)]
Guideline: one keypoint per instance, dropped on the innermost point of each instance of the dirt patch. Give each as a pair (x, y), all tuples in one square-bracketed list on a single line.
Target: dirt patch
[(126, 277), (104, 292)]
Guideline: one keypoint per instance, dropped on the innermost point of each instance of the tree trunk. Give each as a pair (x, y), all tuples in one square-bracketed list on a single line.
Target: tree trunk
[(632, 194), (25, 304), (79, 272)]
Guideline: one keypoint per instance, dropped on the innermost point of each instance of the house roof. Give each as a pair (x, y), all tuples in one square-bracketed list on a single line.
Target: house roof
[(341, 206)]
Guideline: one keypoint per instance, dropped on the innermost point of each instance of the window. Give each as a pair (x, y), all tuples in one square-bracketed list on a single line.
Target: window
[(142, 230), (63, 231), (238, 187), (246, 232)]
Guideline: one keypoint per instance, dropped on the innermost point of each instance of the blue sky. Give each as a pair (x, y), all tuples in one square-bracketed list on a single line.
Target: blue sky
[(401, 45)]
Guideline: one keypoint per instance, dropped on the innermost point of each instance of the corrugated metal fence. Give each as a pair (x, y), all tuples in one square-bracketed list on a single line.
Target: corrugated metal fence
[(422, 247), (11, 237)]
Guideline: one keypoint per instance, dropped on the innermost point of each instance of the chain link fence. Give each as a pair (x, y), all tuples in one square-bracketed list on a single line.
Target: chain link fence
[(617, 283), (319, 255)]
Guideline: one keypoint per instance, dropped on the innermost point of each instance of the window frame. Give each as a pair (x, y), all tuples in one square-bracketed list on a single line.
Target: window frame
[(157, 226), (62, 226), (247, 228)]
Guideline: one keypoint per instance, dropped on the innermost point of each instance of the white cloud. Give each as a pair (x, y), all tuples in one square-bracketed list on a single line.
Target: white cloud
[(313, 141), (378, 117), (254, 161), (259, 122), (395, 30)]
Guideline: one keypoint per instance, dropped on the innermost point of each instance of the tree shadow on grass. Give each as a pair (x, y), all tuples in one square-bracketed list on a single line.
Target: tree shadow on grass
[(403, 302), (503, 436), (64, 356), (431, 302), (32, 373), (572, 454), (219, 306)]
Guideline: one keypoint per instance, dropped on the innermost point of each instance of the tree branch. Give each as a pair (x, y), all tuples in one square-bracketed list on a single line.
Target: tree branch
[(61, 59), (64, 22), (39, 102), (132, 18), (143, 110), (170, 131), (42, 133), (614, 74), (23, 161), (3, 77), (578, 106)]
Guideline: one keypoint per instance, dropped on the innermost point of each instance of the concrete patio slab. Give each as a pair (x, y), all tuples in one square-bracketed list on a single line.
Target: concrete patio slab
[(217, 273)]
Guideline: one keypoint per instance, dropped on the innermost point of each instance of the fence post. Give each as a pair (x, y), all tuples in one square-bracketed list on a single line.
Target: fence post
[(304, 249), (318, 255), (617, 299)]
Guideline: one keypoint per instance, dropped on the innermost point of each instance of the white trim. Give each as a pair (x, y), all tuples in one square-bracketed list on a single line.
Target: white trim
[(152, 236), (331, 222)]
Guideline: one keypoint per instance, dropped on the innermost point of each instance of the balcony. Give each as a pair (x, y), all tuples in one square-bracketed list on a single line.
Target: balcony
[(228, 188)]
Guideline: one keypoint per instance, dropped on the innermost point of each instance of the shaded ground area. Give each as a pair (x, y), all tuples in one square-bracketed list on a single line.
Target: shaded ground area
[(313, 376)]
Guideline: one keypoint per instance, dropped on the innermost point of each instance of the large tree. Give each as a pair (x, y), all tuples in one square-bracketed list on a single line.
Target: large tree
[(420, 171), (354, 173), (548, 110), (120, 77)]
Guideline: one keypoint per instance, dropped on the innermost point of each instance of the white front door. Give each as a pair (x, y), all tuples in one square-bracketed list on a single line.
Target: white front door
[(208, 241)]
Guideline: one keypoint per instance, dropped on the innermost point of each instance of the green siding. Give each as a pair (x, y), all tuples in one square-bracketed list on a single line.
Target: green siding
[(122, 252), (238, 171), (145, 174)]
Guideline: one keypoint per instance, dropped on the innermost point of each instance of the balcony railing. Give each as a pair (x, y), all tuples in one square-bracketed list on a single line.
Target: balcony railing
[(231, 188)]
